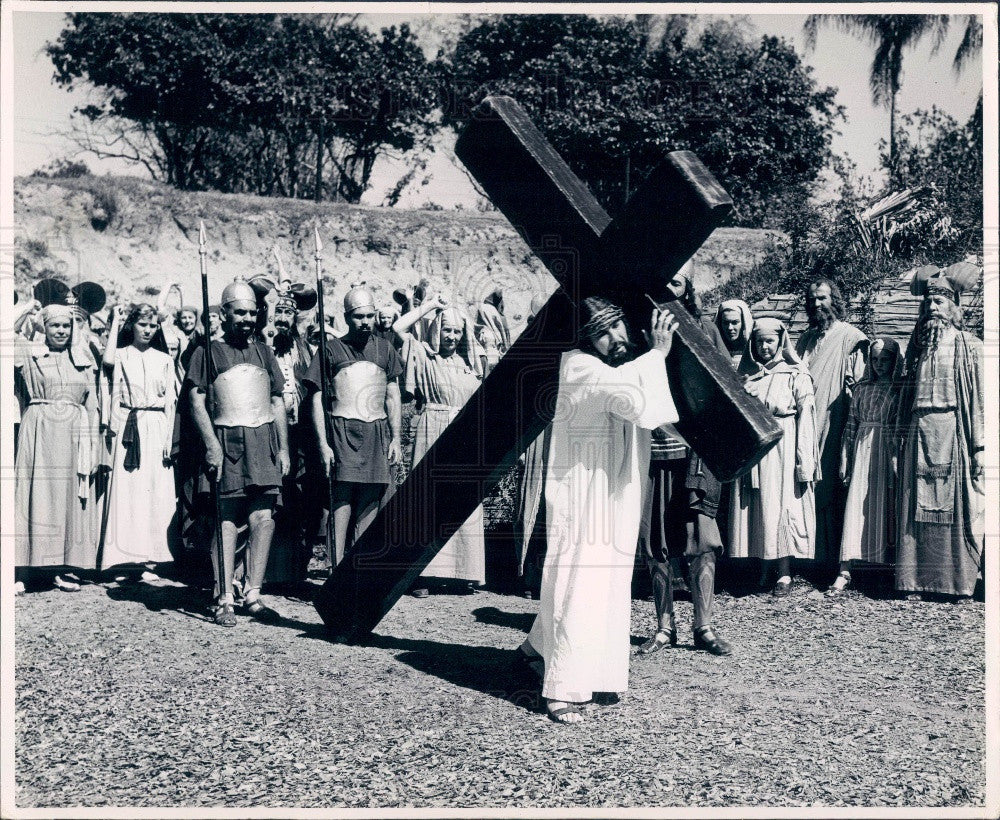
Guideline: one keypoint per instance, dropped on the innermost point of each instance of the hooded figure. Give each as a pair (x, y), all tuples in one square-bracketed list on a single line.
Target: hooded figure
[(772, 513), (492, 331), (735, 336), (56, 511), (441, 380)]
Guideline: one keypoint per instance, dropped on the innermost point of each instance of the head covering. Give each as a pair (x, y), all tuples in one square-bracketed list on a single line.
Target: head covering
[(238, 291), (751, 364), (79, 351), (358, 297), (187, 309), (597, 316), (295, 295), (489, 318), (897, 367), (468, 348), (952, 281), (56, 312), (744, 310)]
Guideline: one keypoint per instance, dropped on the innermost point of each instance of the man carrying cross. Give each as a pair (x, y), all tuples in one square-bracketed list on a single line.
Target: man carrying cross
[(608, 401)]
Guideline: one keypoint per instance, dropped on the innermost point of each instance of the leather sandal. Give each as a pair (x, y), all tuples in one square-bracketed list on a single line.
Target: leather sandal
[(781, 589), (568, 709), (259, 611), (707, 639), (225, 615), (659, 639)]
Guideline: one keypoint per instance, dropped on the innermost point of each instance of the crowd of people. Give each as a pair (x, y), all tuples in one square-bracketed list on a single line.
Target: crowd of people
[(141, 443), (155, 426)]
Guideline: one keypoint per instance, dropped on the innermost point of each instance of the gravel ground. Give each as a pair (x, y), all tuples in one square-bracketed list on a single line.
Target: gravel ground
[(127, 696)]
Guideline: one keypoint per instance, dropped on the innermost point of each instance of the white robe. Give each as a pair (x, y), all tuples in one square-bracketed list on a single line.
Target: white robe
[(598, 463)]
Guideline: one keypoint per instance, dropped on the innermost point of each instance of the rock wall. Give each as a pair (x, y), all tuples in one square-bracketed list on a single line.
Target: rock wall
[(134, 237)]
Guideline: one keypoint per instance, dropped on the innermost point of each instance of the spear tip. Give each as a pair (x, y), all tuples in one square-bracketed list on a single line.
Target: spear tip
[(201, 233), (319, 242)]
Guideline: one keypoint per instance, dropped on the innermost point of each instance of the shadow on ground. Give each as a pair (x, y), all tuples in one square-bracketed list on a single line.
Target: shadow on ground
[(485, 669)]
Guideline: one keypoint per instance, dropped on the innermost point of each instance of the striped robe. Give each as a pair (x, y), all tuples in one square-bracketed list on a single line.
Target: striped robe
[(868, 446)]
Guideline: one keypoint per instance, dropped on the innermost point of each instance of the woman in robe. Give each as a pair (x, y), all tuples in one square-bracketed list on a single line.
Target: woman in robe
[(56, 524), (143, 399), (441, 382), (867, 450), (492, 331), (772, 510)]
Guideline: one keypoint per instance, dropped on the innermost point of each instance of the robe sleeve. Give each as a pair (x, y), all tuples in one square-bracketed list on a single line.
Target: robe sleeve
[(974, 406), (170, 398), (115, 411), (805, 427), (850, 432), (854, 372), (414, 368), (636, 392)]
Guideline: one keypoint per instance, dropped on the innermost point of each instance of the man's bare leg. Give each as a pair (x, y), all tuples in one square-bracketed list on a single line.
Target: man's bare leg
[(223, 592), (261, 524), (342, 498)]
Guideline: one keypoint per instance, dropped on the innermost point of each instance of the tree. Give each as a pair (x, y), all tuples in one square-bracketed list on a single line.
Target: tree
[(263, 103), (613, 95), (934, 150), (891, 35)]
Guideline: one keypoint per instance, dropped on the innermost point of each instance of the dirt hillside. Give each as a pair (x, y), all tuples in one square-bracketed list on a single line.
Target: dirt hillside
[(134, 236)]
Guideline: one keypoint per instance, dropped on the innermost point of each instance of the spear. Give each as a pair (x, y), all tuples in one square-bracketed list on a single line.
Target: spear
[(324, 395), (220, 554)]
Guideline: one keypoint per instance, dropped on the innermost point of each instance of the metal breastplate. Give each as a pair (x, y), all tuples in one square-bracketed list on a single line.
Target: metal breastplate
[(242, 397), (359, 391)]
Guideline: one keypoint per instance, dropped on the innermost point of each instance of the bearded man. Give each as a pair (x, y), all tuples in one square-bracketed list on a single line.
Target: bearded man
[(835, 353), (246, 444), (608, 401), (299, 521), (364, 418), (941, 469)]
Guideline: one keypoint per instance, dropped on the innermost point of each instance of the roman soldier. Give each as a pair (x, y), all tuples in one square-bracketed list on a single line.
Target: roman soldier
[(299, 522), (363, 443), (245, 435)]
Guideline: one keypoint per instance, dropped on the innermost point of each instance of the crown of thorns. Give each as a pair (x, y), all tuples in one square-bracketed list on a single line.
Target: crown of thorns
[(602, 320)]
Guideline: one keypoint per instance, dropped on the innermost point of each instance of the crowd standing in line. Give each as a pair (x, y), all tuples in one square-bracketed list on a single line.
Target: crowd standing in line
[(880, 462)]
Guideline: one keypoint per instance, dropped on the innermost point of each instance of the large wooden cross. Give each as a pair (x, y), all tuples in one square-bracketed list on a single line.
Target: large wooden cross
[(625, 259)]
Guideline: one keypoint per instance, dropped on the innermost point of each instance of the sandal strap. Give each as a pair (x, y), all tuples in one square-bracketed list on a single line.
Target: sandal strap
[(568, 709)]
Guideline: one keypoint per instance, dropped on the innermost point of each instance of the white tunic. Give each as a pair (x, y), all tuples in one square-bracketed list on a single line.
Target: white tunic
[(597, 465), (143, 500)]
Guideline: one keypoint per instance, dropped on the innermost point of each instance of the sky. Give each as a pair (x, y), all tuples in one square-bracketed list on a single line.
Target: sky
[(42, 110)]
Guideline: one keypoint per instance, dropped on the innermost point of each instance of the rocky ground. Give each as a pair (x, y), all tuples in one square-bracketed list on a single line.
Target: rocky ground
[(128, 696)]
